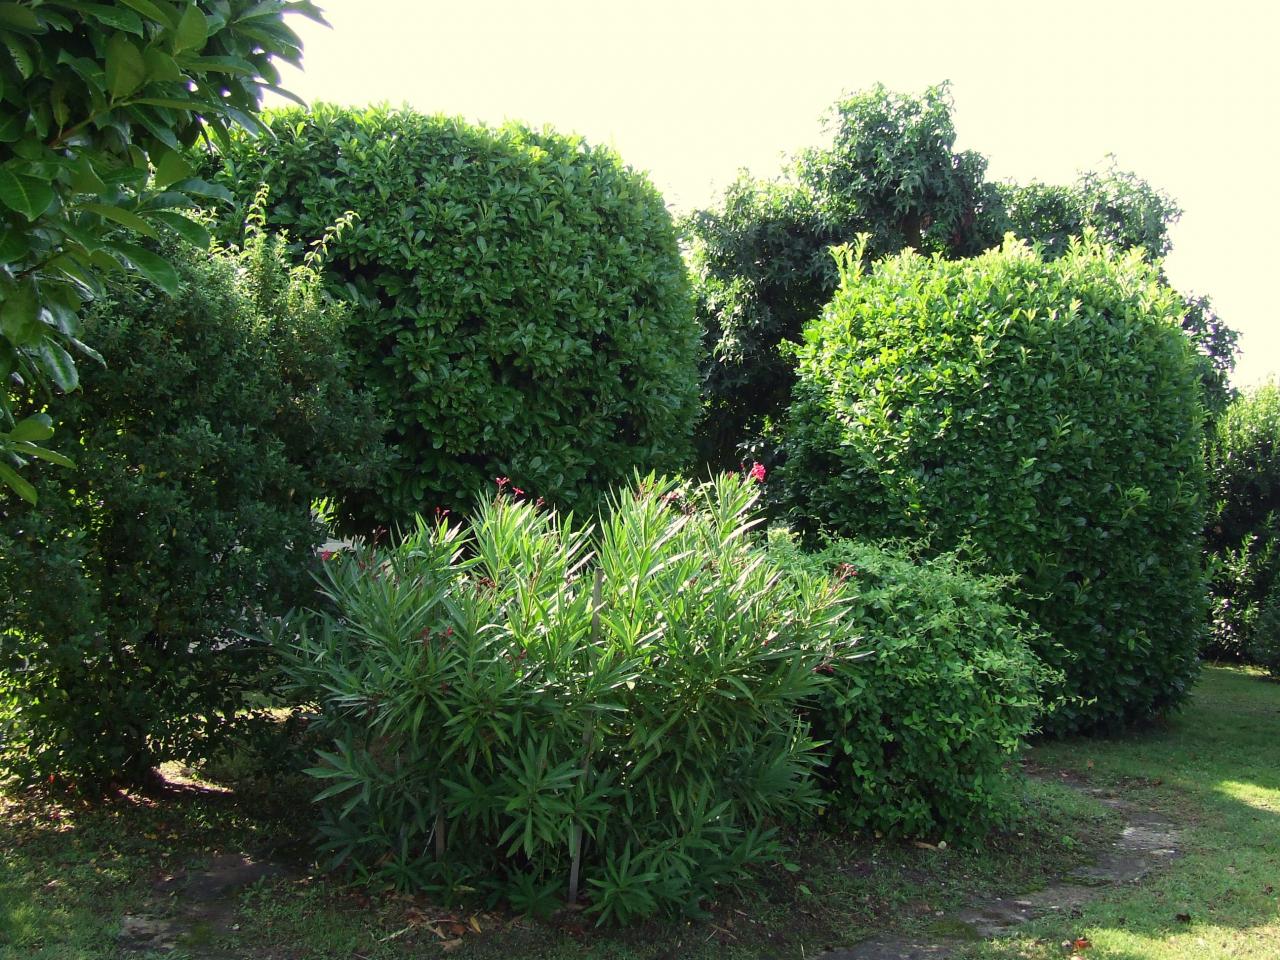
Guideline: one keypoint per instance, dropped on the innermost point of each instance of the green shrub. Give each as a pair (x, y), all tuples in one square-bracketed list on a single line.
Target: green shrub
[(519, 701), (520, 304), (1243, 528), (920, 734), (219, 416), (1264, 645), (1047, 412)]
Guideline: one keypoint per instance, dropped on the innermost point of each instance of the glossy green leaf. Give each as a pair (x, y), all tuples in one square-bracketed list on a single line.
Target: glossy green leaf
[(192, 30), (20, 18), (27, 195), (59, 365), (126, 218), (10, 478), (194, 233), (126, 71), (37, 427), (152, 266)]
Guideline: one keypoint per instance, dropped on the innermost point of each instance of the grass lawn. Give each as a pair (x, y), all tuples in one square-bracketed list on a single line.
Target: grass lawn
[(69, 875), (1216, 770)]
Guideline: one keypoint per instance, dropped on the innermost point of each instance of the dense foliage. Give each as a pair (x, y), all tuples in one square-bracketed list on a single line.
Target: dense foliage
[(1120, 207), (220, 415), (761, 263), (920, 735), (1046, 411), (521, 306), (521, 706), (1243, 528), (891, 171), (97, 102)]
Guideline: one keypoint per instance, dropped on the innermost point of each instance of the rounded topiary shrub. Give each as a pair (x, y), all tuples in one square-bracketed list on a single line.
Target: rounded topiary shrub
[(520, 302), (219, 417), (920, 733), (1243, 528), (1046, 413)]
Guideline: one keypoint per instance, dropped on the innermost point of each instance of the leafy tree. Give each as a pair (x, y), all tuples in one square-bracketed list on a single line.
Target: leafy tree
[(97, 104), (1119, 206)]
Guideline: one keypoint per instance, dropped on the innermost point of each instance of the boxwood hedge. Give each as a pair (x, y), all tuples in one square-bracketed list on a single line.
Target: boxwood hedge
[(1046, 413), (521, 305)]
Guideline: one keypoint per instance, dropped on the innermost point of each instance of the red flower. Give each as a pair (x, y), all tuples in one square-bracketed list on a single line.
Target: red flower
[(756, 472), (502, 482), (517, 491), (328, 554)]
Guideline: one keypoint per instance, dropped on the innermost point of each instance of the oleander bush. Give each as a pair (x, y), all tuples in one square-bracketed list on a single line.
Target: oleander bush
[(522, 705), (218, 418), (520, 304), (1243, 527), (920, 736), (1047, 412)]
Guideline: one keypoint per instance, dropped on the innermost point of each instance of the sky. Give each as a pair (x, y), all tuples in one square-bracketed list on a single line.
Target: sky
[(1187, 95)]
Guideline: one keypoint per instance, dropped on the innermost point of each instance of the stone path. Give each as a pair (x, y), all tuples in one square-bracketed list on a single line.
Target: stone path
[(1146, 842), (194, 908)]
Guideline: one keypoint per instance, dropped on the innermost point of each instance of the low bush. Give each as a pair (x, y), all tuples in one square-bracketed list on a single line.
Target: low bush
[(1243, 529), (520, 304), (920, 734), (521, 706), (1048, 414), (218, 418), (1264, 646)]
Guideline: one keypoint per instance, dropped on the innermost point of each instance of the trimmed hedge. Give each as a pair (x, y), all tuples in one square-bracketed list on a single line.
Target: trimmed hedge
[(520, 302), (1045, 412), (921, 734)]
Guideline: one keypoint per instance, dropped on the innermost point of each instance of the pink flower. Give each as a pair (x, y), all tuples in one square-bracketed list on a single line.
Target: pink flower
[(328, 554), (517, 491), (756, 472), (502, 482)]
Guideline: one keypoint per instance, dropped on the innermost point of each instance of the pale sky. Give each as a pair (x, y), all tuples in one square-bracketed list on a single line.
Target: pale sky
[(1185, 94)]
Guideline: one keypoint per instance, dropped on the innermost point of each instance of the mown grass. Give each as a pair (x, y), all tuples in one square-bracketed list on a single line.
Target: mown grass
[(69, 873), (1216, 770)]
